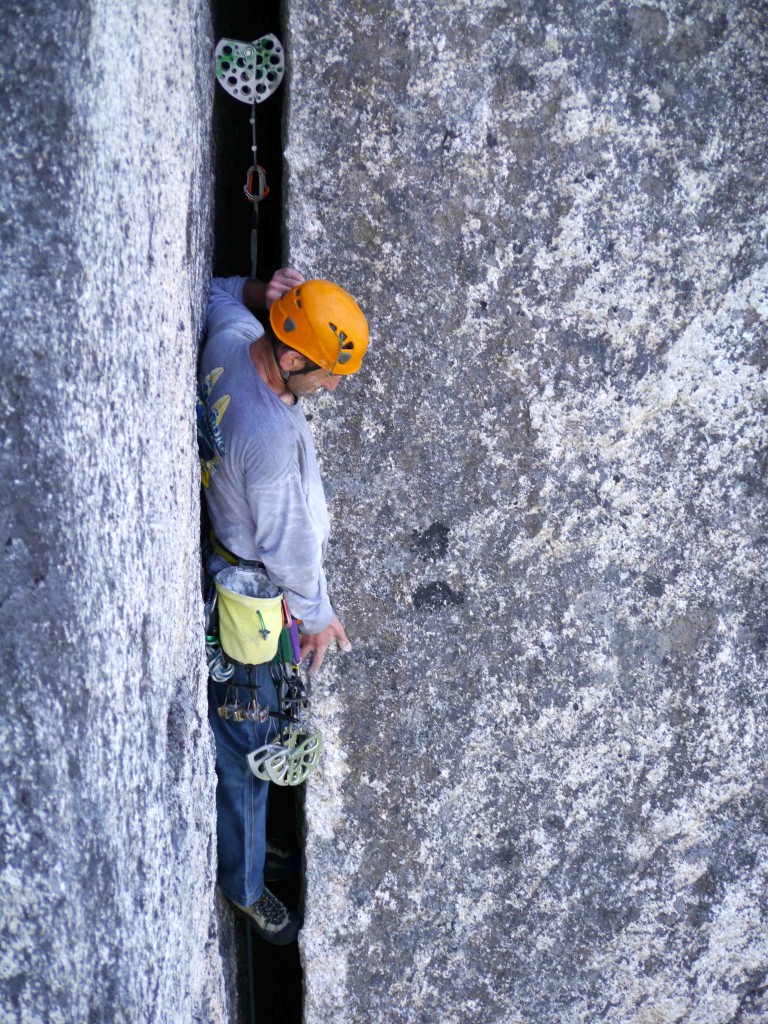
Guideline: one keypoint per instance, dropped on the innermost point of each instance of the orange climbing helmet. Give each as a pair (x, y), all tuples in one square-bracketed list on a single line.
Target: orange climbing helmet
[(324, 323)]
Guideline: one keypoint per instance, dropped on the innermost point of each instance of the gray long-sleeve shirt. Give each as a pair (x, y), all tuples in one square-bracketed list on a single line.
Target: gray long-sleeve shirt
[(265, 497)]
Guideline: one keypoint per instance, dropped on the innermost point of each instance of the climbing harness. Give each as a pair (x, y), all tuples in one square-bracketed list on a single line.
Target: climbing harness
[(251, 73), (248, 623)]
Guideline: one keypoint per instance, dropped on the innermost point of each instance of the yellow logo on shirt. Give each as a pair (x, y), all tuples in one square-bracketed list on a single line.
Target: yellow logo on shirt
[(210, 442)]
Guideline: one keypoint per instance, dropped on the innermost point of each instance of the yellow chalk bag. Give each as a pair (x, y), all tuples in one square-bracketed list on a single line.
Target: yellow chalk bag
[(250, 614)]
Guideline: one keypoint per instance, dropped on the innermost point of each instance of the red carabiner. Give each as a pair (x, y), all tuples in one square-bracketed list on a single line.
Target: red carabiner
[(255, 187)]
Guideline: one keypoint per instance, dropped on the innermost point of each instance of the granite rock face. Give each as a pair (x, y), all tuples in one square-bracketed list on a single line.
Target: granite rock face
[(544, 794), (107, 862), (543, 797)]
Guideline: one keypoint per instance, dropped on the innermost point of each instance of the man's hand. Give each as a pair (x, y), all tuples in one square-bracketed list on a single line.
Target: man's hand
[(282, 280), (258, 296), (314, 645)]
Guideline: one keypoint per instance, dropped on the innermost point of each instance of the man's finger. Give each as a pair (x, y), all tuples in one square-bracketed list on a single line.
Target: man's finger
[(341, 637), (289, 274), (315, 661)]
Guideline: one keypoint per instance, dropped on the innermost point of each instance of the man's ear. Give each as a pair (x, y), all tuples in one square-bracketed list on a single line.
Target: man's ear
[(291, 360)]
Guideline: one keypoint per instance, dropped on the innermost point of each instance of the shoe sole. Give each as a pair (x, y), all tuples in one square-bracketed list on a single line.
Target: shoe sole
[(271, 938)]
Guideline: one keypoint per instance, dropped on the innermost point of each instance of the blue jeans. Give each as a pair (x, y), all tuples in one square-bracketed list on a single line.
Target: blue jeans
[(241, 798)]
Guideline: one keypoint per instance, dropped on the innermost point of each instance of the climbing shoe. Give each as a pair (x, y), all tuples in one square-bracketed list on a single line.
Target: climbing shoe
[(271, 919), (282, 861)]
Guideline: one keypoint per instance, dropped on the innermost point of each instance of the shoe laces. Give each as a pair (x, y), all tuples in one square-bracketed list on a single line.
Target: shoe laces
[(271, 909)]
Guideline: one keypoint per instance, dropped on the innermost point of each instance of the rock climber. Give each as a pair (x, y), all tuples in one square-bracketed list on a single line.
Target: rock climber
[(266, 505)]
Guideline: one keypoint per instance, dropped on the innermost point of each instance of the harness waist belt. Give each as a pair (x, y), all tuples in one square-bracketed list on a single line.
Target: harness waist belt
[(229, 556)]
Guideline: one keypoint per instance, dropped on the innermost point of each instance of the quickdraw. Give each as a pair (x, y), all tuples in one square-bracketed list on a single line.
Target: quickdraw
[(235, 709), (251, 73)]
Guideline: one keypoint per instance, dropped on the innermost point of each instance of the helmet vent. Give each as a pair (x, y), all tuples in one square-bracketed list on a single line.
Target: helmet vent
[(289, 325), (342, 336), (346, 347)]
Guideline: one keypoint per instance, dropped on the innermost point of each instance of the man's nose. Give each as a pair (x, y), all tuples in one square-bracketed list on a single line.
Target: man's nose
[(332, 383)]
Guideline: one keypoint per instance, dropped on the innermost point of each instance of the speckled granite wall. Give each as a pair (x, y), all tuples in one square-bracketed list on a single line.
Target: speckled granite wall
[(106, 856), (544, 797), (544, 793)]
